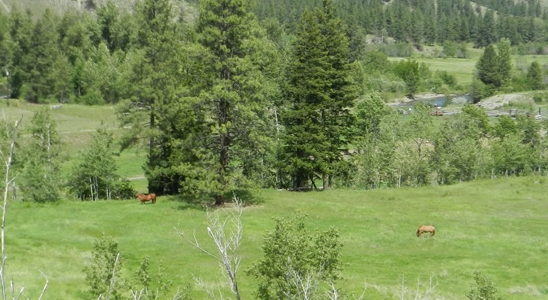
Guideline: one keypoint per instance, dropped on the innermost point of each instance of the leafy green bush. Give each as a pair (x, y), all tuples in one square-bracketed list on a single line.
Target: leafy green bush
[(480, 91), (293, 256), (102, 275), (484, 289)]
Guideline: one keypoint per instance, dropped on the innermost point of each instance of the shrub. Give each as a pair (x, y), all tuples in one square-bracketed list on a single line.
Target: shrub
[(484, 289)]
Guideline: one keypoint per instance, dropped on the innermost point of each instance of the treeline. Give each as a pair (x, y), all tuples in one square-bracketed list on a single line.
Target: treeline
[(219, 105), (424, 22)]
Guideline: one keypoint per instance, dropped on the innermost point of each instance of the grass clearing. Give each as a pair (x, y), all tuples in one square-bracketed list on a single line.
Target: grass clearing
[(464, 68), (496, 227)]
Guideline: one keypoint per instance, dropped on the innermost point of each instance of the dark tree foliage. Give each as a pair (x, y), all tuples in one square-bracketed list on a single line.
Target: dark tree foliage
[(43, 55), (230, 96), (151, 109), (535, 76), (488, 67), (320, 96)]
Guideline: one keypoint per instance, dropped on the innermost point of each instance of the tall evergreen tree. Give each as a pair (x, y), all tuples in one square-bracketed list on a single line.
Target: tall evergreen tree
[(20, 32), (232, 109), (318, 120), (152, 107), (534, 76), (505, 60), (43, 55), (488, 67), (486, 31)]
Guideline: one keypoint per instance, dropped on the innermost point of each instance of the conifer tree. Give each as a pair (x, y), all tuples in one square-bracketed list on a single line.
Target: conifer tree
[(43, 55), (152, 109), (534, 76), (317, 120), (20, 29), (233, 109), (488, 67), (505, 60)]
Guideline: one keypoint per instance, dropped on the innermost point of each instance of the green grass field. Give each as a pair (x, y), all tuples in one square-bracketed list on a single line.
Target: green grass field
[(497, 227), (463, 68)]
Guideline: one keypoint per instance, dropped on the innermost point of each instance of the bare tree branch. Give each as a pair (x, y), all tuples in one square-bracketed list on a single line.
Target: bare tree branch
[(113, 278), (227, 244), (45, 286), (7, 160)]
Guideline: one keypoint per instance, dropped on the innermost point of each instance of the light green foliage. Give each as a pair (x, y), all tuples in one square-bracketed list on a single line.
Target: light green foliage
[(369, 113), (511, 156), (408, 70), (376, 163), (144, 278), (479, 122), (40, 178), (484, 289), (94, 175), (294, 257), (415, 155), (459, 154), (103, 275)]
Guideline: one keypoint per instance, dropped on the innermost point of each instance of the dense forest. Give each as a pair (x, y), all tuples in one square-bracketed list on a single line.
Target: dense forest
[(285, 94)]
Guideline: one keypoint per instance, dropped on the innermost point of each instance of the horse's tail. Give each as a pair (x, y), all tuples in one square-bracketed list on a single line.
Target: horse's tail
[(433, 230), (419, 232)]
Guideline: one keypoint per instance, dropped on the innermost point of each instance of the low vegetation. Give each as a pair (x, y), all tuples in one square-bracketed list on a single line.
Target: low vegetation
[(493, 226)]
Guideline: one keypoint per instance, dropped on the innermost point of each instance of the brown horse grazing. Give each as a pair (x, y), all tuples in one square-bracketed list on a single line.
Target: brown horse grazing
[(426, 228), (145, 198)]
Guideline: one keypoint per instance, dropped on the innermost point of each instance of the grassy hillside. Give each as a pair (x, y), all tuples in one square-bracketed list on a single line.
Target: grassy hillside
[(37, 7), (75, 124), (497, 227)]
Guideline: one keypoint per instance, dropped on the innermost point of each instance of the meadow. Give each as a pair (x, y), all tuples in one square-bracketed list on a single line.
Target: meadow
[(497, 227), (493, 226), (464, 68)]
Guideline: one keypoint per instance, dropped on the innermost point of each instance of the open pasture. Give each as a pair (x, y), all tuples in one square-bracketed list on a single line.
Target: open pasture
[(497, 227), (74, 122), (464, 68)]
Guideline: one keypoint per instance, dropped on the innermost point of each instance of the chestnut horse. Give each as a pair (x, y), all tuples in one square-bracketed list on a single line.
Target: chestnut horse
[(145, 198), (426, 228)]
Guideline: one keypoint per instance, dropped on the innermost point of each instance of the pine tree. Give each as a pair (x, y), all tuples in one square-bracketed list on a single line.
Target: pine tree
[(318, 119), (487, 30), (20, 32), (534, 76), (233, 107), (505, 60), (488, 67), (152, 107), (43, 55)]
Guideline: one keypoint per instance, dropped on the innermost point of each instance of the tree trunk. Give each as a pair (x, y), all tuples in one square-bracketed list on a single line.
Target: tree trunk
[(224, 140), (325, 179)]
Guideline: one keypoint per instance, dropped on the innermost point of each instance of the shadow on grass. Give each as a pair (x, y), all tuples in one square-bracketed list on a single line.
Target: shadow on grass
[(248, 198)]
